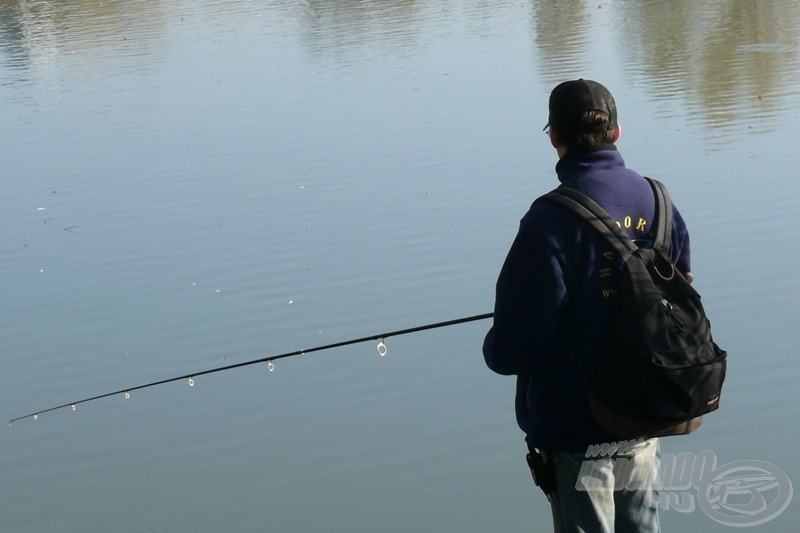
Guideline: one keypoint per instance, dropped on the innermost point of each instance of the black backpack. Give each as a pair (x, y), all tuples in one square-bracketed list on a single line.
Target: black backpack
[(660, 370)]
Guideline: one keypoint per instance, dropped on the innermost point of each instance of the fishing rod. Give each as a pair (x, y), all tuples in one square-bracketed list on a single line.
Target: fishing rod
[(380, 337)]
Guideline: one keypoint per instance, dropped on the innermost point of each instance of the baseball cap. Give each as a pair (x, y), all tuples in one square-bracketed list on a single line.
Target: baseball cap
[(571, 99)]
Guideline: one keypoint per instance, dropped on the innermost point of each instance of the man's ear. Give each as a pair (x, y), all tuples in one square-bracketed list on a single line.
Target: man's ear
[(561, 148), (554, 138), (617, 132)]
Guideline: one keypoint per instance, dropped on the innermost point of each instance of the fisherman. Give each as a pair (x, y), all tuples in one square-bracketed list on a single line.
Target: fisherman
[(552, 305)]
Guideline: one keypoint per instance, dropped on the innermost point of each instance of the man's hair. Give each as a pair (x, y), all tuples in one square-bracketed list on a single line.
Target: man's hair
[(588, 121)]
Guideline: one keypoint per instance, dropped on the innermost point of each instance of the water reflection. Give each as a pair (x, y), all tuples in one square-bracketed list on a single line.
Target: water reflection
[(61, 45), (561, 36), (356, 31), (719, 57), (732, 64), (733, 61), (36, 33), (27, 34)]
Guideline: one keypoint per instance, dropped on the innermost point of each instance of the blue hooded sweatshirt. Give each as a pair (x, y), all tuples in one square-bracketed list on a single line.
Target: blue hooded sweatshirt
[(555, 290)]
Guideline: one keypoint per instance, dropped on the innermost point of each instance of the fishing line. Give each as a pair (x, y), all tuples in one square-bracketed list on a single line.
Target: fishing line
[(381, 347)]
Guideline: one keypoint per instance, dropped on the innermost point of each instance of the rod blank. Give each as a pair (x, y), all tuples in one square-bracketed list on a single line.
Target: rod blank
[(266, 359)]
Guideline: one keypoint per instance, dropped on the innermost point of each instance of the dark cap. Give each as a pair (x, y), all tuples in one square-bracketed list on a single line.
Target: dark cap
[(571, 99)]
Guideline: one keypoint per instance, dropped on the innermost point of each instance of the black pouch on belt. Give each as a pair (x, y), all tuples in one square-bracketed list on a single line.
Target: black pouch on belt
[(543, 472)]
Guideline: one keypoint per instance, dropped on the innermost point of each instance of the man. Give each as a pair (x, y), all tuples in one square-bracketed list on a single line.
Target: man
[(552, 305)]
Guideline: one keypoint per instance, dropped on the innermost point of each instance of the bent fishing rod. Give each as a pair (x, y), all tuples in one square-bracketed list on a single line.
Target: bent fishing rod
[(380, 337)]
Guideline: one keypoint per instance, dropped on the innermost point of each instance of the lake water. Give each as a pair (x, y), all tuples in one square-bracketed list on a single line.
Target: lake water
[(193, 184)]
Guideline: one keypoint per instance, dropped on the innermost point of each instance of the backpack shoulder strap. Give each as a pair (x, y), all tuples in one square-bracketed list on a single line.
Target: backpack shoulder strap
[(663, 237), (596, 216)]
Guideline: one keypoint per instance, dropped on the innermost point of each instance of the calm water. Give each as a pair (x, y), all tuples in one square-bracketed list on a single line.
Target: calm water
[(187, 185)]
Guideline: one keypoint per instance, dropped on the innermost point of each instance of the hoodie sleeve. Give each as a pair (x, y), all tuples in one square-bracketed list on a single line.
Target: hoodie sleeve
[(530, 294)]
